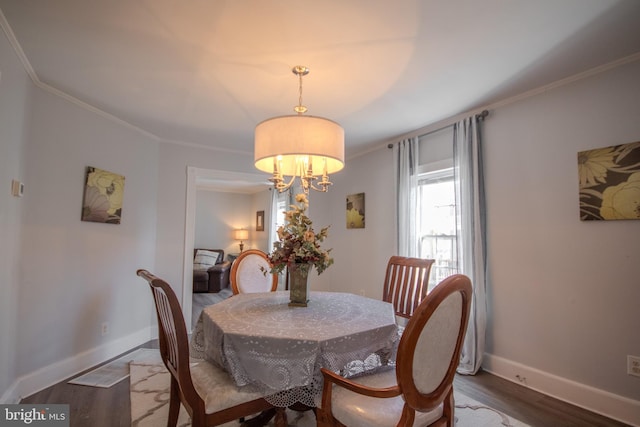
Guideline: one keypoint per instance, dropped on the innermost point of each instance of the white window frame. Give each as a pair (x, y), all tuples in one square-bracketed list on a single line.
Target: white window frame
[(439, 270)]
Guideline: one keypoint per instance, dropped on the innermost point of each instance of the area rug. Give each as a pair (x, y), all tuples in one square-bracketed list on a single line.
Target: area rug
[(150, 380), (115, 371)]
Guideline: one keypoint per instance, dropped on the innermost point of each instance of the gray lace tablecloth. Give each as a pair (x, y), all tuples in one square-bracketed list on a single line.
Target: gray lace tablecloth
[(263, 342)]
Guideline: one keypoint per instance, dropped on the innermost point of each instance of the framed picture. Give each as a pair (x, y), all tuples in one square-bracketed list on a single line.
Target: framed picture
[(610, 182), (260, 221), (355, 210), (103, 193)]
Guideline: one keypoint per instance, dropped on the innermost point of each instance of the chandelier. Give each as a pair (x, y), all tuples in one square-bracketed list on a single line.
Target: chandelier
[(301, 146)]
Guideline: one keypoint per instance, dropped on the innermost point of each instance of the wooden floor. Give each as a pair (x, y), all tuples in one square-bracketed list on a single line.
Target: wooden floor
[(98, 407)]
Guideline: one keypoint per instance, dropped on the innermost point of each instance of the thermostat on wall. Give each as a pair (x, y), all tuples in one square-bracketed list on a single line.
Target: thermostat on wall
[(17, 188)]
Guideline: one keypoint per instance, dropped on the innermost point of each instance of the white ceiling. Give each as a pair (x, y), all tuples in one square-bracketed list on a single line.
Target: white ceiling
[(206, 72)]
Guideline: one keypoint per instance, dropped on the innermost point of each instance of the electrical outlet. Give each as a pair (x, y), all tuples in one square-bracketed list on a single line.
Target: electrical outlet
[(633, 365), (105, 328)]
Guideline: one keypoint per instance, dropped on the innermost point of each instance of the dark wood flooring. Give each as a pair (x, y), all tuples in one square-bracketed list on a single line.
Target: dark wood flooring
[(529, 406), (98, 407)]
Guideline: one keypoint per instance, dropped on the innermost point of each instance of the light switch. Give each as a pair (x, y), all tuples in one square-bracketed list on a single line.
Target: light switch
[(17, 188)]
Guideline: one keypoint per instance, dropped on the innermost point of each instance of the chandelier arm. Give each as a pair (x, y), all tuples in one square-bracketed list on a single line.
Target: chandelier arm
[(282, 187), (324, 184)]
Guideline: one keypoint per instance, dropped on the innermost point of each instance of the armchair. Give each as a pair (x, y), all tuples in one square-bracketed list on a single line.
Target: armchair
[(210, 273), (419, 391)]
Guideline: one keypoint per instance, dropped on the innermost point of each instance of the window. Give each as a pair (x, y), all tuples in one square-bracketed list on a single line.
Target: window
[(437, 229), (281, 205)]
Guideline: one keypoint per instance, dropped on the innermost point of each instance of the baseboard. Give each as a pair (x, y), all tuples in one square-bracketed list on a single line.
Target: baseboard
[(610, 405), (59, 371)]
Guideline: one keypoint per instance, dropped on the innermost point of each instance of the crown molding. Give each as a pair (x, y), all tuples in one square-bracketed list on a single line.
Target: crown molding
[(441, 124), (17, 48)]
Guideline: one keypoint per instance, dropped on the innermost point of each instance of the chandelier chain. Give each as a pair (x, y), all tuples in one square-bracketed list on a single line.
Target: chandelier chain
[(300, 71), (300, 90)]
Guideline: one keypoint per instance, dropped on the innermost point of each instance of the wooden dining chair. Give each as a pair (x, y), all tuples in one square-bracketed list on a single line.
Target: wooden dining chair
[(405, 283), (207, 392), (418, 391), (250, 273)]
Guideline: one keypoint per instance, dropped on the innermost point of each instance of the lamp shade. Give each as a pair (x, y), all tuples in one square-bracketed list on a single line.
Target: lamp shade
[(282, 143), (241, 234)]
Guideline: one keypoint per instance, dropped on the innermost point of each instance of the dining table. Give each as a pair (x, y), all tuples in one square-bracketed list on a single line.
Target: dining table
[(265, 343)]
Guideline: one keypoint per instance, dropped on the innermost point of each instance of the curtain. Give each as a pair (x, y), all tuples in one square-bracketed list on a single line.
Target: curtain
[(407, 196), (470, 224)]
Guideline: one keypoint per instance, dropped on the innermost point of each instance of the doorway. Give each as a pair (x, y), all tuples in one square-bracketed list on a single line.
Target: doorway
[(213, 179)]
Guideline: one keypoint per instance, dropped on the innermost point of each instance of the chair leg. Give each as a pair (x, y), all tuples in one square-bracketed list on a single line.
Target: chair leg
[(174, 403), (281, 417), (448, 409), (199, 419), (323, 419)]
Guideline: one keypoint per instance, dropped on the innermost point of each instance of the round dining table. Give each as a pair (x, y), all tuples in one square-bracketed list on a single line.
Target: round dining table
[(279, 349)]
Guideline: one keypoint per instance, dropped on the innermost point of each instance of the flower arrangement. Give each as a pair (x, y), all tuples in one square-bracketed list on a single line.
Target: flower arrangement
[(298, 242)]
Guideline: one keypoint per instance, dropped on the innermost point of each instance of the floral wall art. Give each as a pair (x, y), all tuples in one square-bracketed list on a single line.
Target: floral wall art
[(610, 182), (355, 210), (103, 192)]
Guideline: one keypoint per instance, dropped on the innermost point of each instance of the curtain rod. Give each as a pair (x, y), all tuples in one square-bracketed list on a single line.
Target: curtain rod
[(480, 116)]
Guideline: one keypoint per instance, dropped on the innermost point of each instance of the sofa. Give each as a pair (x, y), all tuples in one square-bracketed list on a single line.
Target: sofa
[(210, 270)]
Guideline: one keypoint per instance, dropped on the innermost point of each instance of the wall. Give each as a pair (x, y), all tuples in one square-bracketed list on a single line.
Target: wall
[(260, 201), (563, 294), (15, 89), (76, 275), (360, 255), (217, 215)]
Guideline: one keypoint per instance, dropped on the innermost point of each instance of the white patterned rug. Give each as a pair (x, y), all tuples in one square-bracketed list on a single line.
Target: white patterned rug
[(115, 371), (150, 393)]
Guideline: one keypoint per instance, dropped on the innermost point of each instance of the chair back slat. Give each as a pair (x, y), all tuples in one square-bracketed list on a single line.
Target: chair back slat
[(406, 282), (168, 327)]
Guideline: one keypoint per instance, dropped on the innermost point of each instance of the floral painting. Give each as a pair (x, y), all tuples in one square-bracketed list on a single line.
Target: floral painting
[(610, 182), (103, 194), (355, 210)]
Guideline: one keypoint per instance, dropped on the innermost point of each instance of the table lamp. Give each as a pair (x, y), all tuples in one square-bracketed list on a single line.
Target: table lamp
[(241, 234)]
